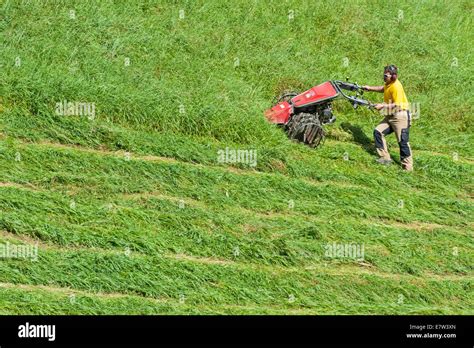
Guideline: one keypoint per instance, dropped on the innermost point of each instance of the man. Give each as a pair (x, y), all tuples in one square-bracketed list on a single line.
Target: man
[(397, 118)]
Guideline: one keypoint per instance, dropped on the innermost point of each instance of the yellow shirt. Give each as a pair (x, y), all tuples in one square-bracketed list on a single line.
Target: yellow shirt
[(394, 93)]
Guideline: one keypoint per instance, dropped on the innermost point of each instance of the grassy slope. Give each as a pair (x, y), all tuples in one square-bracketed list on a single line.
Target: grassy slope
[(181, 214)]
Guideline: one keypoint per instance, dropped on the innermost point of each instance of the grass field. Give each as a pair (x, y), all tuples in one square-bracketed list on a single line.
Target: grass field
[(132, 212)]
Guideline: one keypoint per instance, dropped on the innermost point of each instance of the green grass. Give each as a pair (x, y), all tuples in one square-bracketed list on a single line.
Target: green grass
[(133, 213)]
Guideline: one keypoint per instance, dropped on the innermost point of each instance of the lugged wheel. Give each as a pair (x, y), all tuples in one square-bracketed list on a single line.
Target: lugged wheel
[(285, 96), (306, 128)]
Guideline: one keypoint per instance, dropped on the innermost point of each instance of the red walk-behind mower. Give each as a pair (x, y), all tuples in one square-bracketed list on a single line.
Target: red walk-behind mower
[(303, 115)]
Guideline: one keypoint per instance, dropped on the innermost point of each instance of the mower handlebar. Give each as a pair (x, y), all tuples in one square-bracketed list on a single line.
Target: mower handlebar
[(354, 100), (357, 101), (348, 86)]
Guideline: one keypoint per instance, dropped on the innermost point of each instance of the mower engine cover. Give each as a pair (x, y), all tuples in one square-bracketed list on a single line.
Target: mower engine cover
[(282, 112), (323, 92)]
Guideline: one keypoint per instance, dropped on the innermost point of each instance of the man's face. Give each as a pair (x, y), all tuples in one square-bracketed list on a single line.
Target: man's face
[(387, 77)]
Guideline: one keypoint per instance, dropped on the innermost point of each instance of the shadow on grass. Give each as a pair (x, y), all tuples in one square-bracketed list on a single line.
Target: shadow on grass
[(366, 142), (360, 137)]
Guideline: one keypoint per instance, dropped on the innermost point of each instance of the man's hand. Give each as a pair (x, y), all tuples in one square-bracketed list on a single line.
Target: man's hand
[(379, 106), (373, 88)]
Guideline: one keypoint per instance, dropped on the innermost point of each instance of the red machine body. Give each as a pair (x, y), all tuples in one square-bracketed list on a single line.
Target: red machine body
[(303, 115), (281, 113), (323, 92)]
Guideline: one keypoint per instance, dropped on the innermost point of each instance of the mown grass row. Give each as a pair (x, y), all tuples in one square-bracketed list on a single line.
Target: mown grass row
[(110, 174), (158, 277), (37, 300), (157, 225), (150, 225), (444, 175)]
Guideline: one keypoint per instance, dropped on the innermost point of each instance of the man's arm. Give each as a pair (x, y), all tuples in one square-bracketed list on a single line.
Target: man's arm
[(389, 106), (373, 88)]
